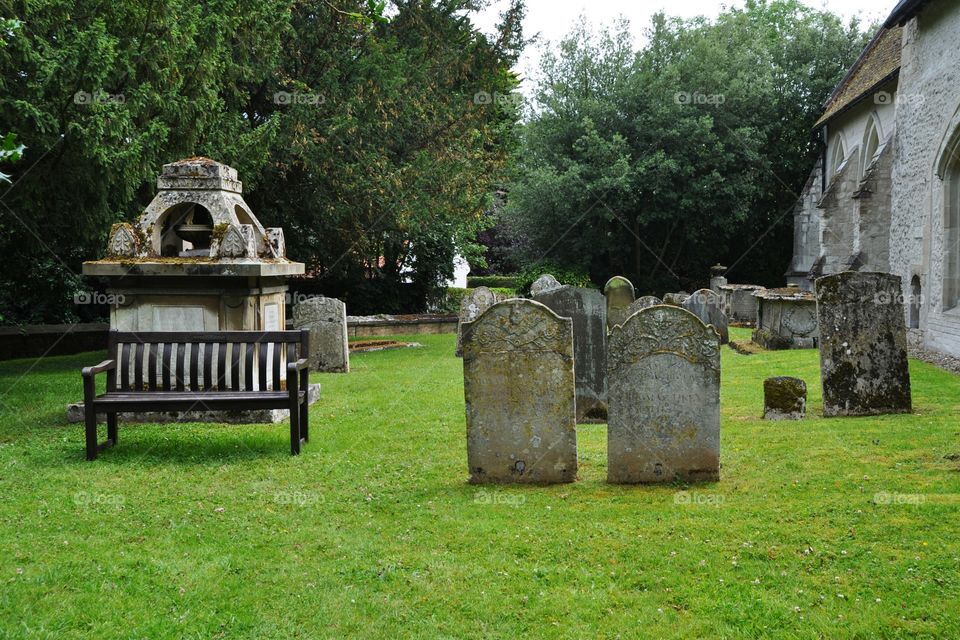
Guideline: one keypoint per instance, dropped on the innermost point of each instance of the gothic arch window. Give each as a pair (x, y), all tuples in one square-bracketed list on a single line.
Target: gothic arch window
[(951, 236), (871, 144), (838, 155)]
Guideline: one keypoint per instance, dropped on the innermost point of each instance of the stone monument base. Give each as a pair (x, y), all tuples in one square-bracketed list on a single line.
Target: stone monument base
[(257, 416)]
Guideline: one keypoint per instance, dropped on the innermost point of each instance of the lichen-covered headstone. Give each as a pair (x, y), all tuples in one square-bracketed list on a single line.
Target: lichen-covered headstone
[(519, 388), (544, 283), (708, 306), (784, 398), (472, 305), (588, 309), (620, 294), (641, 303), (663, 371), (863, 345), (327, 320)]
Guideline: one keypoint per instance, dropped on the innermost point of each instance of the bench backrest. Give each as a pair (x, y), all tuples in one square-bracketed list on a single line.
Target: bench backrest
[(205, 361)]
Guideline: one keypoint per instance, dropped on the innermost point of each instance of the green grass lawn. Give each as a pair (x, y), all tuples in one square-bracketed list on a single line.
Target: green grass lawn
[(209, 531)]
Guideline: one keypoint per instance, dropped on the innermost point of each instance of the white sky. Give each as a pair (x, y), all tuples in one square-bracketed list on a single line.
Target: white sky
[(553, 19)]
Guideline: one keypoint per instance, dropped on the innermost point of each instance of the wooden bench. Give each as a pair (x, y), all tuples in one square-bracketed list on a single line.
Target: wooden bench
[(184, 379)]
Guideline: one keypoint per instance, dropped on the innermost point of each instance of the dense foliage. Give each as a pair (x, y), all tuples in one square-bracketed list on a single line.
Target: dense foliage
[(656, 163), (354, 126)]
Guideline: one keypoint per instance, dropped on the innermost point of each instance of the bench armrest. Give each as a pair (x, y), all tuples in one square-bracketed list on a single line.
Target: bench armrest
[(106, 365), (299, 365)]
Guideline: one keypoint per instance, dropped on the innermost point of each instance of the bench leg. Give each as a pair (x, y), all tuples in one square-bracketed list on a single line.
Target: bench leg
[(305, 421), (90, 424), (112, 428), (294, 430)]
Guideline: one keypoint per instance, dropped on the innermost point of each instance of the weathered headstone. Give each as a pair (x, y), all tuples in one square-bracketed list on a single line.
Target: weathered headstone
[(784, 398), (544, 283), (663, 369), (472, 305), (588, 309), (519, 388), (641, 303), (327, 320), (619, 294), (708, 306), (863, 345), (675, 299)]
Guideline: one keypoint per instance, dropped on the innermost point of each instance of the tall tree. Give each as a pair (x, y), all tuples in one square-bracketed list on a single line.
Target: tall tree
[(659, 162)]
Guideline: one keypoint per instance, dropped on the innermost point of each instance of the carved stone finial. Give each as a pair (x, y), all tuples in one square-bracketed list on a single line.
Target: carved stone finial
[(123, 242)]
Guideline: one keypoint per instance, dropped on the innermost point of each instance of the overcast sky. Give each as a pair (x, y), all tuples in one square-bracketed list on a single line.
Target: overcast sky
[(553, 19)]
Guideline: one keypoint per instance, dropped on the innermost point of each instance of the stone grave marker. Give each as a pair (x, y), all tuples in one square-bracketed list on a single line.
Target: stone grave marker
[(327, 320), (784, 399), (620, 295), (863, 345), (708, 306), (544, 283), (588, 309), (473, 304), (644, 302), (518, 376), (663, 370)]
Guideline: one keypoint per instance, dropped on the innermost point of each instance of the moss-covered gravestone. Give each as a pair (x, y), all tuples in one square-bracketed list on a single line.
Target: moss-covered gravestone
[(863, 345), (588, 309), (784, 399), (708, 306), (519, 388), (663, 371), (619, 294), (644, 302), (472, 305)]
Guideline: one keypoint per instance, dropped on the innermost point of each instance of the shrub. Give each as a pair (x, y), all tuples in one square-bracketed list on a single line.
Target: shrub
[(493, 282), (564, 275)]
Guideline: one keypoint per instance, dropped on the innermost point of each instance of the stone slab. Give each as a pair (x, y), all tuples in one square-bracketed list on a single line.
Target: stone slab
[(326, 318)]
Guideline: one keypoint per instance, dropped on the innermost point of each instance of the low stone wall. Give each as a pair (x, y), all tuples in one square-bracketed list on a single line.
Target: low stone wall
[(384, 325), (33, 341)]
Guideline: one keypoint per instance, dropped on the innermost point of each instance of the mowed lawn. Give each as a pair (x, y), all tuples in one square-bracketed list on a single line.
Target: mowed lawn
[(818, 529)]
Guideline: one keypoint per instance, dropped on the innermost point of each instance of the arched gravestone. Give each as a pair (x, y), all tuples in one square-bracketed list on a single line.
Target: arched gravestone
[(620, 294), (663, 371), (544, 283), (519, 388), (472, 305), (588, 309), (863, 345), (708, 306), (644, 302), (326, 318)]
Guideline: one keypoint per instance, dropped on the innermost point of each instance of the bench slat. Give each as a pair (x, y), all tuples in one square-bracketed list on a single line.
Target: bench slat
[(262, 350), (181, 372), (125, 366), (165, 371), (221, 366), (138, 368), (208, 365), (235, 366), (152, 363), (276, 367), (178, 337), (248, 363), (194, 368)]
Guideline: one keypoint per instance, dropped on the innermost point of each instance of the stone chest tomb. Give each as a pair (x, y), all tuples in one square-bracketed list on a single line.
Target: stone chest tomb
[(197, 259)]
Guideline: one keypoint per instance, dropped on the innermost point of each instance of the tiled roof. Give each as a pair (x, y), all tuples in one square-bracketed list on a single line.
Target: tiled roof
[(878, 63)]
